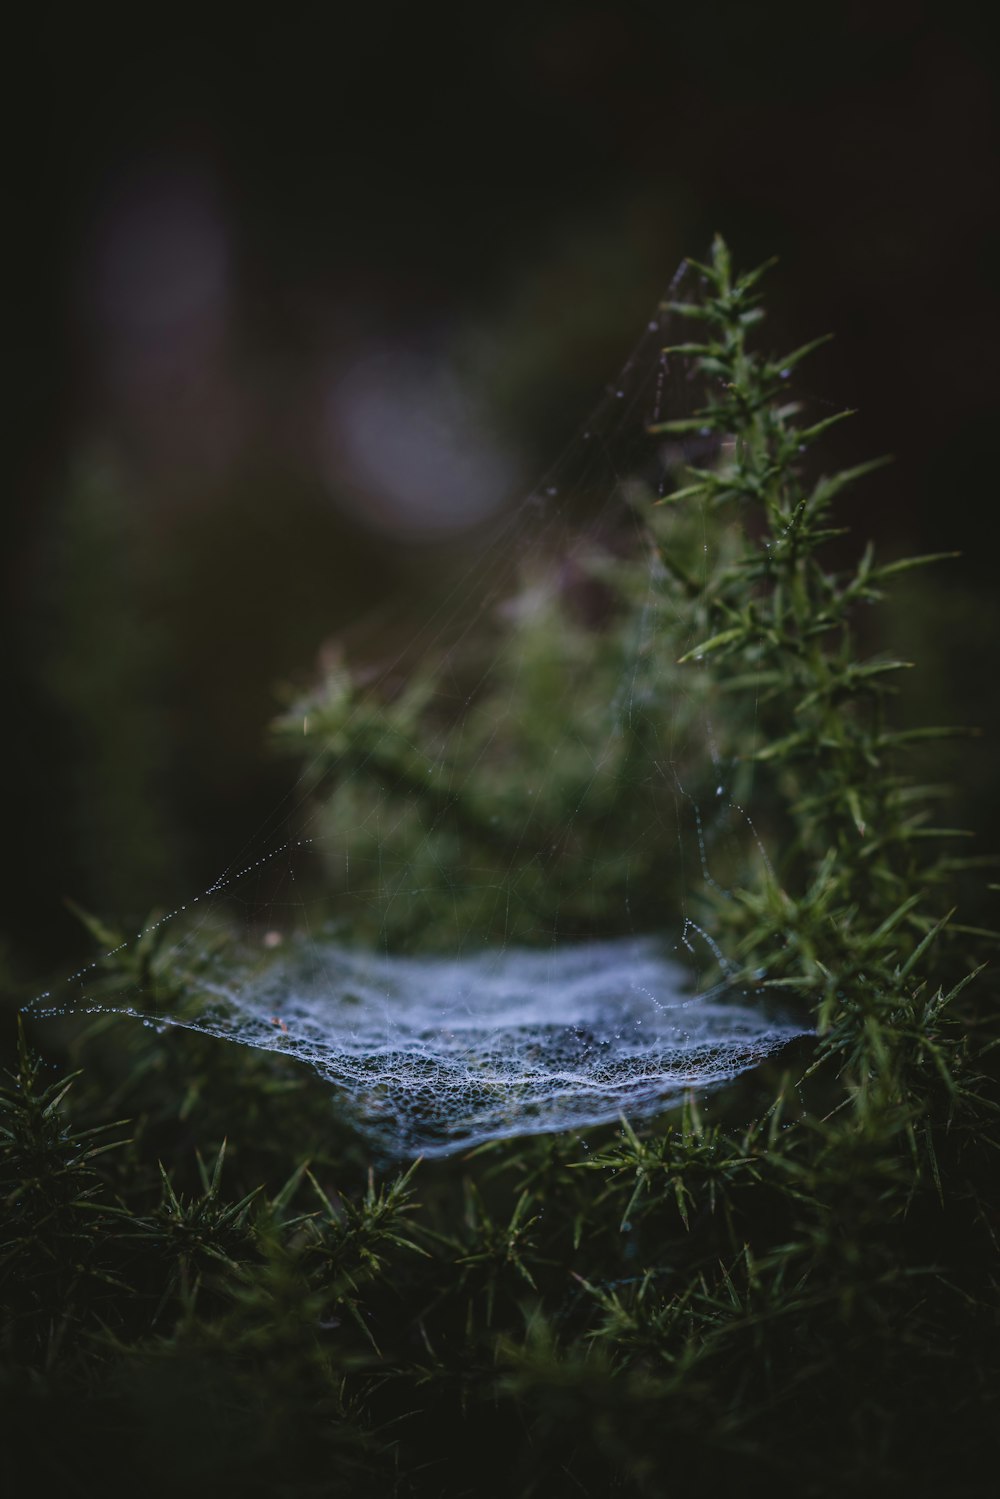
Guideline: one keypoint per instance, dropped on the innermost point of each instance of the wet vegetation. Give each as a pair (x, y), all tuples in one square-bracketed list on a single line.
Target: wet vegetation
[(792, 1286)]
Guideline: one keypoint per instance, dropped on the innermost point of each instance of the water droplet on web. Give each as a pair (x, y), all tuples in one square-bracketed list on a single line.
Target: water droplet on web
[(432, 1055), (437, 1054)]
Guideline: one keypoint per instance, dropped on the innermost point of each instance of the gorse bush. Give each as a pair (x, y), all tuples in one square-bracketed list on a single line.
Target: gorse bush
[(795, 1288)]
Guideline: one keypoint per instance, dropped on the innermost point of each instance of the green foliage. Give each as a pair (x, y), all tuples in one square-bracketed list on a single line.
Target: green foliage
[(505, 790), (529, 820), (55, 1211), (859, 852), (791, 1287)]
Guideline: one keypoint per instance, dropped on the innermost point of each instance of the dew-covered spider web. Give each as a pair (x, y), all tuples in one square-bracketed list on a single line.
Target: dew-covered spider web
[(484, 909)]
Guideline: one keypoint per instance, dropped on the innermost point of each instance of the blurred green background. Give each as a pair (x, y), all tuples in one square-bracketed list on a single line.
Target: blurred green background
[(249, 254)]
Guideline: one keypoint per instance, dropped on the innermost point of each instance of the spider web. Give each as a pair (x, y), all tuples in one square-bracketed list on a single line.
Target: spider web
[(473, 912)]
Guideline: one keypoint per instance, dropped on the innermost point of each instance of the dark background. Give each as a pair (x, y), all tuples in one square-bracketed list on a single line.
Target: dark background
[(212, 220)]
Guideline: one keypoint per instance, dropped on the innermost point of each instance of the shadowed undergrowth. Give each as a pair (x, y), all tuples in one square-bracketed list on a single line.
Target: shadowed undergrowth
[(791, 1285)]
